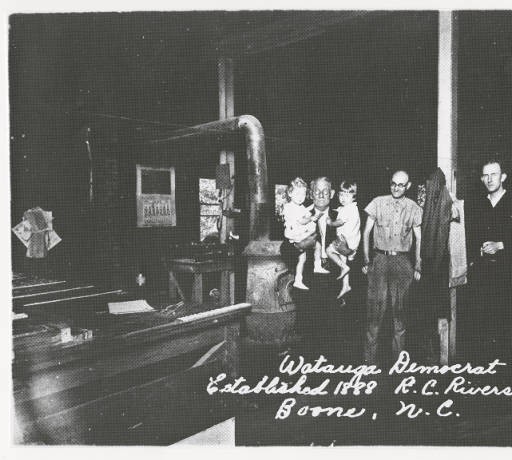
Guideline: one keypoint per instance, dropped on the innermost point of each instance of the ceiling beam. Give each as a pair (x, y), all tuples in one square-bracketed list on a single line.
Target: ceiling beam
[(298, 27)]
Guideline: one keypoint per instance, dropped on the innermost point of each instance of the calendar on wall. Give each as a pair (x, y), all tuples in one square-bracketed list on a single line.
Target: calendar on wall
[(156, 197)]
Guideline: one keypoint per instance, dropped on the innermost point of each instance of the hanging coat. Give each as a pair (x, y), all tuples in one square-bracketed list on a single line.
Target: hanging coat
[(437, 215), (435, 231)]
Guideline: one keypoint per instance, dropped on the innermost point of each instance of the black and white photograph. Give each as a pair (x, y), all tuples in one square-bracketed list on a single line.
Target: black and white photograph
[(259, 227)]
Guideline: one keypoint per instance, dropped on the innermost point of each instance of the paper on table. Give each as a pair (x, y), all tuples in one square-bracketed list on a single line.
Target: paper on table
[(16, 316), (131, 306)]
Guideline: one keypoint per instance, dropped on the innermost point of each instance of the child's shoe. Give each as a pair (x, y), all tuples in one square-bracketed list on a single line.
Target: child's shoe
[(320, 269), (300, 285)]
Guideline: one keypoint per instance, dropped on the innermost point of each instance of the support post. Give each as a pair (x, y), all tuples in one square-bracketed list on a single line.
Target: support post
[(227, 110), (447, 104), (197, 288), (232, 350), (447, 141)]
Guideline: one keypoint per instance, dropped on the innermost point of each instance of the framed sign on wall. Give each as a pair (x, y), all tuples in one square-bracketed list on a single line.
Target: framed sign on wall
[(156, 197)]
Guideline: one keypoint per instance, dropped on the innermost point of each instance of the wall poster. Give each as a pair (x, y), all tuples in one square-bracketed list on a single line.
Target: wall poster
[(156, 200)]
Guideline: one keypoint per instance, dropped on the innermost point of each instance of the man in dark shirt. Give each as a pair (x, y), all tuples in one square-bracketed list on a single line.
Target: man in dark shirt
[(489, 241)]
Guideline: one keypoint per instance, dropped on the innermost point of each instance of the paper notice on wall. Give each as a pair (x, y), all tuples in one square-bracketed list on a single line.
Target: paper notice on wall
[(53, 239), (23, 232)]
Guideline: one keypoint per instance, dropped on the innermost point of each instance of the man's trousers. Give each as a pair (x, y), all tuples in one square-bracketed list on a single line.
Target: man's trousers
[(389, 278)]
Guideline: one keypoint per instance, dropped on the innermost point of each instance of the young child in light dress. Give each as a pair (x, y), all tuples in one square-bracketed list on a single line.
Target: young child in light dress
[(348, 233), (298, 223)]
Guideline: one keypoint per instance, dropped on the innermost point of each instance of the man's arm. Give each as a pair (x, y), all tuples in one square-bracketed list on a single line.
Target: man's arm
[(370, 222), (335, 223), (507, 234), (503, 245), (417, 264), (493, 247)]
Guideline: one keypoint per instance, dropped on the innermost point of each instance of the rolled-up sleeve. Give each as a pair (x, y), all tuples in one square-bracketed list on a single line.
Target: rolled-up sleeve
[(371, 209), (417, 216)]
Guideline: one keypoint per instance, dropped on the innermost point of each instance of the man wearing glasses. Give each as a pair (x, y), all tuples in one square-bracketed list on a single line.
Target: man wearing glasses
[(394, 219), (321, 194), (312, 321)]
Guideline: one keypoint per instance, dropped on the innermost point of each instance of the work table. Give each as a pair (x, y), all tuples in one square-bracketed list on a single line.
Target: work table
[(137, 370)]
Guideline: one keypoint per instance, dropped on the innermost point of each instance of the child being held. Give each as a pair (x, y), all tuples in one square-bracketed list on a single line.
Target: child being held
[(298, 223), (348, 234)]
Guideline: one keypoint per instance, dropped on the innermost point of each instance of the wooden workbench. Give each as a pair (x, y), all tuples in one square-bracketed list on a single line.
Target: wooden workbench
[(224, 266), (141, 380)]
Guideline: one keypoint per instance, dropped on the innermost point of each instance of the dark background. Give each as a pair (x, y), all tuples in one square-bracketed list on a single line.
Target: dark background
[(358, 99)]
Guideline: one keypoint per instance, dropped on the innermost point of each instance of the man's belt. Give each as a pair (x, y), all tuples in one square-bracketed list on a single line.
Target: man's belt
[(390, 253)]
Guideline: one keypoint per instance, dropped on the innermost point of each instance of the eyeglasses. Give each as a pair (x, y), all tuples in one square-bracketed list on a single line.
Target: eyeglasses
[(395, 185), (321, 193)]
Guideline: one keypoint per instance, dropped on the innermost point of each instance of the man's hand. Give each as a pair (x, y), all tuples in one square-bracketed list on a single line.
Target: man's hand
[(417, 275), (365, 267), (328, 221), (492, 247)]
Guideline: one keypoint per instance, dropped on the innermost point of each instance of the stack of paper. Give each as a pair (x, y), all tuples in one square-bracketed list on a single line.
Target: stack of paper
[(16, 316), (131, 306)]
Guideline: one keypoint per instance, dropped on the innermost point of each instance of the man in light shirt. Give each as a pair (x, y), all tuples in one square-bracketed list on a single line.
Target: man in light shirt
[(394, 220)]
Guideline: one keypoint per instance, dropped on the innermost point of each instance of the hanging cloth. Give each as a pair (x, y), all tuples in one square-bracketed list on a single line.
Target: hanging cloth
[(457, 246), (40, 226), (437, 215), (435, 231)]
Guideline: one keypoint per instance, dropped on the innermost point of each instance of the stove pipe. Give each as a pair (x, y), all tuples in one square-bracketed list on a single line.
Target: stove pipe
[(259, 212), (272, 316)]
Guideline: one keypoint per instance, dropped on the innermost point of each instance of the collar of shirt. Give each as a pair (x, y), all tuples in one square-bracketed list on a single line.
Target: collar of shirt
[(495, 200), (400, 202)]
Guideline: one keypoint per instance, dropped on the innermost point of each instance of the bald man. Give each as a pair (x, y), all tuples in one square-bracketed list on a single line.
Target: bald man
[(394, 219)]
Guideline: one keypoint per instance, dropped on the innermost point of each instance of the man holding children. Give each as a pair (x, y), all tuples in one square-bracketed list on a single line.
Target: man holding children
[(321, 233)]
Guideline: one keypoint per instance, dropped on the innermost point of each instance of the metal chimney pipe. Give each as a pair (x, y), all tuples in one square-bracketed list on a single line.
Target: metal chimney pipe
[(272, 316), (259, 212)]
